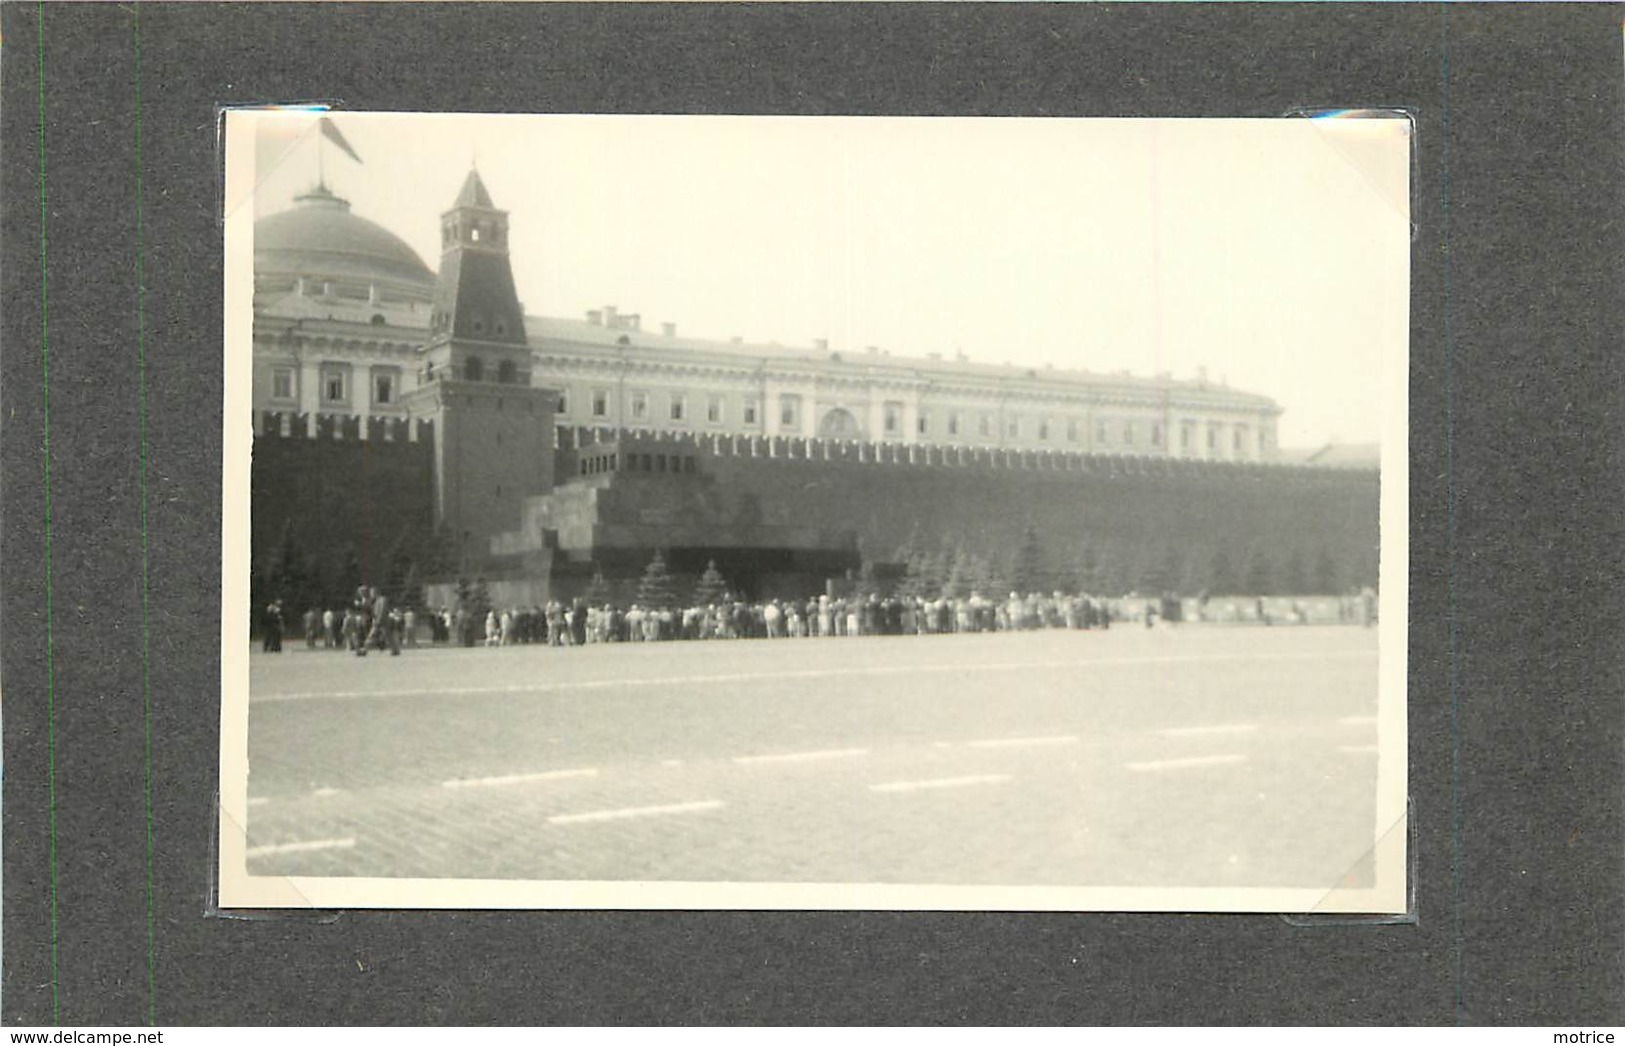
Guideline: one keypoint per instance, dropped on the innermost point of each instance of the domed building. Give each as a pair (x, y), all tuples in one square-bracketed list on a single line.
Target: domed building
[(341, 305), (321, 244)]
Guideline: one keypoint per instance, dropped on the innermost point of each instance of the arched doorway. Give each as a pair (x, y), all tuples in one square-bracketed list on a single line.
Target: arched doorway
[(840, 424)]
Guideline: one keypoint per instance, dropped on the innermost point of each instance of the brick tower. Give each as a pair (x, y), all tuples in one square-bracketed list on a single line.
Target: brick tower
[(494, 441)]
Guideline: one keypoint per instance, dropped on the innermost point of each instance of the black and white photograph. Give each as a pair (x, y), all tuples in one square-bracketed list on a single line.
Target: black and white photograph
[(815, 513)]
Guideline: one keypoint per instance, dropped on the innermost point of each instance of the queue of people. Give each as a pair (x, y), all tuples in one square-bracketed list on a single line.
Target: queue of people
[(579, 623), (370, 622)]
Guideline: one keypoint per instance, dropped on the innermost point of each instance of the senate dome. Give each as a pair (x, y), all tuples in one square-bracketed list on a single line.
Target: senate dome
[(318, 247)]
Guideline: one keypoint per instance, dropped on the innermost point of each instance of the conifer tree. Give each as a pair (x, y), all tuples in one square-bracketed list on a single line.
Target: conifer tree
[(915, 583), (481, 597), (957, 584), (655, 589), (988, 577), (439, 562), (397, 565), (290, 576), (933, 573), (1027, 570), (911, 546), (711, 587), (411, 594), (598, 588), (868, 582)]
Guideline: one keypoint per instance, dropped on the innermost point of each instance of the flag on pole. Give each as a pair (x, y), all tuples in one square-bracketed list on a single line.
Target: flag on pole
[(330, 131)]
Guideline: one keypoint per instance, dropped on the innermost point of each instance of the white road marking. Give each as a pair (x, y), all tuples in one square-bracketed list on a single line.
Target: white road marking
[(1022, 742), (664, 682), (1181, 764), (671, 762), (636, 811), (1358, 749), (801, 757), (299, 848), (1208, 731), (325, 792), (258, 800), (941, 744), (508, 779), (940, 782), (1357, 720)]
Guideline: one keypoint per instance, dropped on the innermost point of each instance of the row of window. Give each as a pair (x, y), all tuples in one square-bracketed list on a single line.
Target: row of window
[(1014, 427), (334, 383), (1126, 433), (335, 389), (638, 406)]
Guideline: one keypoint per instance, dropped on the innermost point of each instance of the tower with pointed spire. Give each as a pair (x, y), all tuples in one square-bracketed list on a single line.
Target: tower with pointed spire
[(494, 436)]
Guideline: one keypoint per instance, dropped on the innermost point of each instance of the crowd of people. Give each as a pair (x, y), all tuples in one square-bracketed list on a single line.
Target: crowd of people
[(560, 624), (370, 622)]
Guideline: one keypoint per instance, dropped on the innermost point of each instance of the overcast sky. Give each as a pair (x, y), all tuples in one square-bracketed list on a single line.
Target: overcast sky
[(1273, 252)]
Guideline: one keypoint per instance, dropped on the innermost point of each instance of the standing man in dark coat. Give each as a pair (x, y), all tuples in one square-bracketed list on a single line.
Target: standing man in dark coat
[(273, 627), (361, 609)]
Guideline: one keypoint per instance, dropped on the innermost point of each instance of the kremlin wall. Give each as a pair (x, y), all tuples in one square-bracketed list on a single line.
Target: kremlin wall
[(782, 517)]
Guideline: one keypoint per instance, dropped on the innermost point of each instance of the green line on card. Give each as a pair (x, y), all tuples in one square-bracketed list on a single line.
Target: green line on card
[(45, 400)]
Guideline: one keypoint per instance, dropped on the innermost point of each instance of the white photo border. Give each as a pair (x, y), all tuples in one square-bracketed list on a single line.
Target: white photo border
[(238, 889)]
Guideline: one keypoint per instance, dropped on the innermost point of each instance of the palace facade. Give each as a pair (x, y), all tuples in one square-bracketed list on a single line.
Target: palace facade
[(342, 305)]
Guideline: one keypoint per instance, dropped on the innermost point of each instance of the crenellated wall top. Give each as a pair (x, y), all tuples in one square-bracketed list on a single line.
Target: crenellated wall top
[(605, 443)]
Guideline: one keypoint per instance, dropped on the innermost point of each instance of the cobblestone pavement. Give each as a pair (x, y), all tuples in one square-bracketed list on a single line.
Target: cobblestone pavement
[(1189, 757)]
